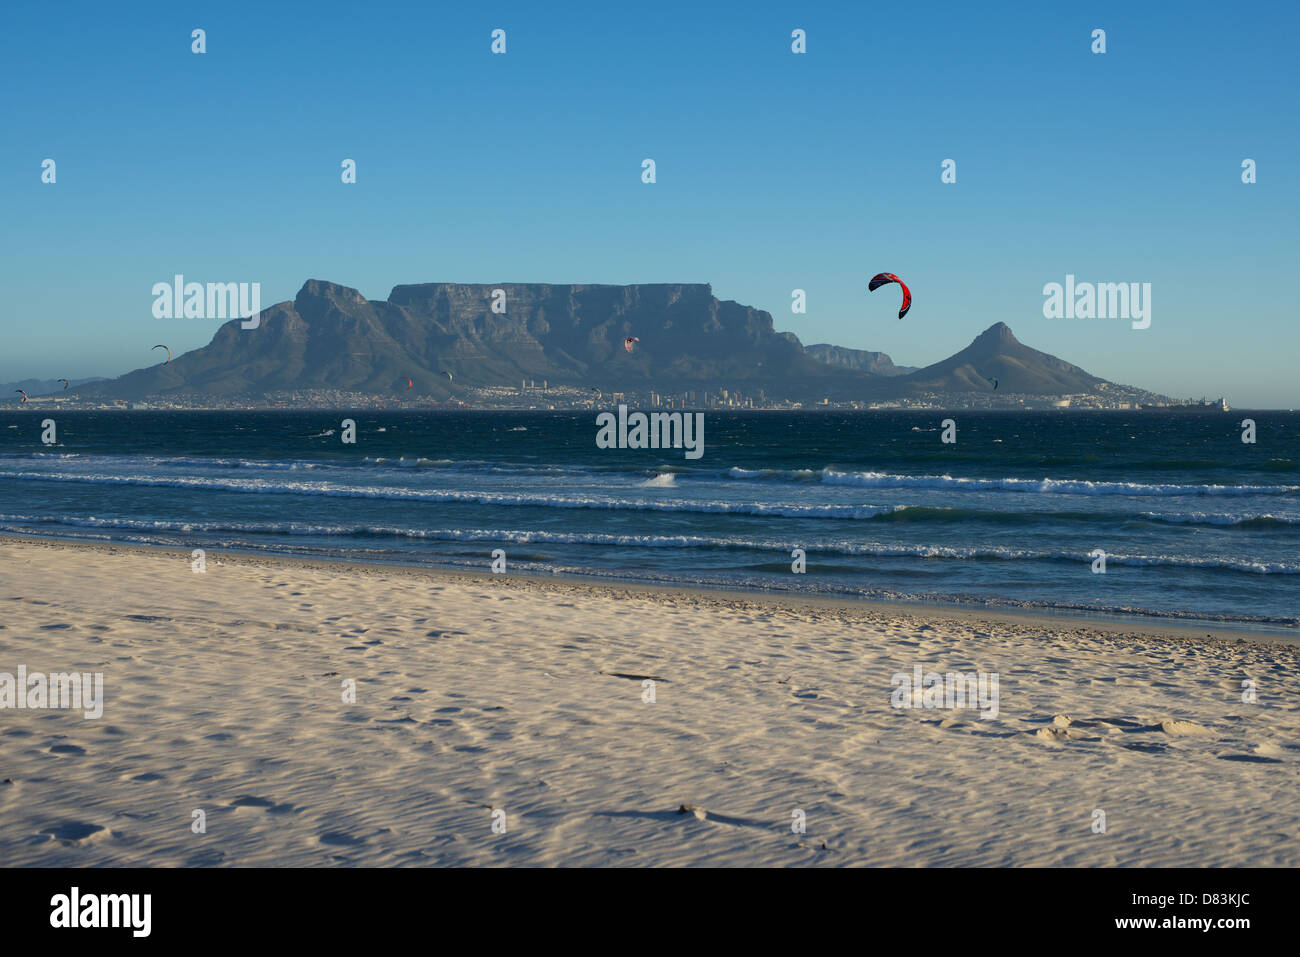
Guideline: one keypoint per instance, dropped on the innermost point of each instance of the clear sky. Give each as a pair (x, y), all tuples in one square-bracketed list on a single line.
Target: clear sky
[(775, 171)]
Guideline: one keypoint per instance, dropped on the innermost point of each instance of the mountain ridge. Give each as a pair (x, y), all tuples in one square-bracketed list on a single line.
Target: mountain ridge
[(877, 363), (331, 337)]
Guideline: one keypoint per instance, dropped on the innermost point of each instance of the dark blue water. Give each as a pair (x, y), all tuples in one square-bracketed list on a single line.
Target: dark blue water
[(1194, 522)]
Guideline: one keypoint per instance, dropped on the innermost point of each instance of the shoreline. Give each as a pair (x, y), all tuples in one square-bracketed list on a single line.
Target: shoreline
[(872, 610)]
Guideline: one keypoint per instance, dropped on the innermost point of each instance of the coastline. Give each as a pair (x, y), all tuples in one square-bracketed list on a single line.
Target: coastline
[(1188, 629)]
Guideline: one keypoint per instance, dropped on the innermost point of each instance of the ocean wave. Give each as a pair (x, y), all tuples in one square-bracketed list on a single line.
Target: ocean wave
[(578, 501), (900, 513), (1208, 518), (891, 480), (530, 536), (383, 462), (787, 475), (922, 514), (176, 461), (828, 476), (1043, 486)]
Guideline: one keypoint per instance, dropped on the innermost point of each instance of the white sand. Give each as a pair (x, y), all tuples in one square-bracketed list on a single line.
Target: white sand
[(223, 693)]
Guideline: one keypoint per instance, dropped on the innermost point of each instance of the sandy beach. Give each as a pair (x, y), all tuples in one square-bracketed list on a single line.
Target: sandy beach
[(506, 721)]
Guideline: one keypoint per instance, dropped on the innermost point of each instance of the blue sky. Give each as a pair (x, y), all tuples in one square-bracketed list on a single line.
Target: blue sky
[(775, 171)]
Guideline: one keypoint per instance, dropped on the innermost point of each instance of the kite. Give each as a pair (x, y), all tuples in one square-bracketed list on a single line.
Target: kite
[(169, 353), (883, 279), (597, 391), (65, 384), (448, 375), (994, 381), (410, 384), (24, 398), (627, 343)]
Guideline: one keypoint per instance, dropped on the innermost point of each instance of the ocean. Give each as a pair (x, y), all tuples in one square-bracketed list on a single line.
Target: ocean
[(1194, 523)]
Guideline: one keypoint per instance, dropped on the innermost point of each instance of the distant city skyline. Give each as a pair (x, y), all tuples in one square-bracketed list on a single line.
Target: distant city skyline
[(775, 171)]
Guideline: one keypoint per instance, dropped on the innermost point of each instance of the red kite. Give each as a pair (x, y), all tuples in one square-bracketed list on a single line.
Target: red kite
[(883, 279)]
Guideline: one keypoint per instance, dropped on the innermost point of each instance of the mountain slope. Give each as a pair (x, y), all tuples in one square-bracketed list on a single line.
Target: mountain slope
[(332, 338), (35, 387), (997, 353)]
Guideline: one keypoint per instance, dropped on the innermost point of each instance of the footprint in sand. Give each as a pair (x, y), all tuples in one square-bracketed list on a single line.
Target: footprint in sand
[(248, 800), (1144, 747), (66, 749), (270, 807), (1250, 758), (205, 859), (71, 832)]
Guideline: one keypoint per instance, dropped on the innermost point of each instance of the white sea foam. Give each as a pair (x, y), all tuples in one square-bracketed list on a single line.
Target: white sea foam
[(529, 536)]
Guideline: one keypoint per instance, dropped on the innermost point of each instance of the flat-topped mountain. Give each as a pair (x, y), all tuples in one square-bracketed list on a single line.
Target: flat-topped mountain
[(330, 337), (877, 363)]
